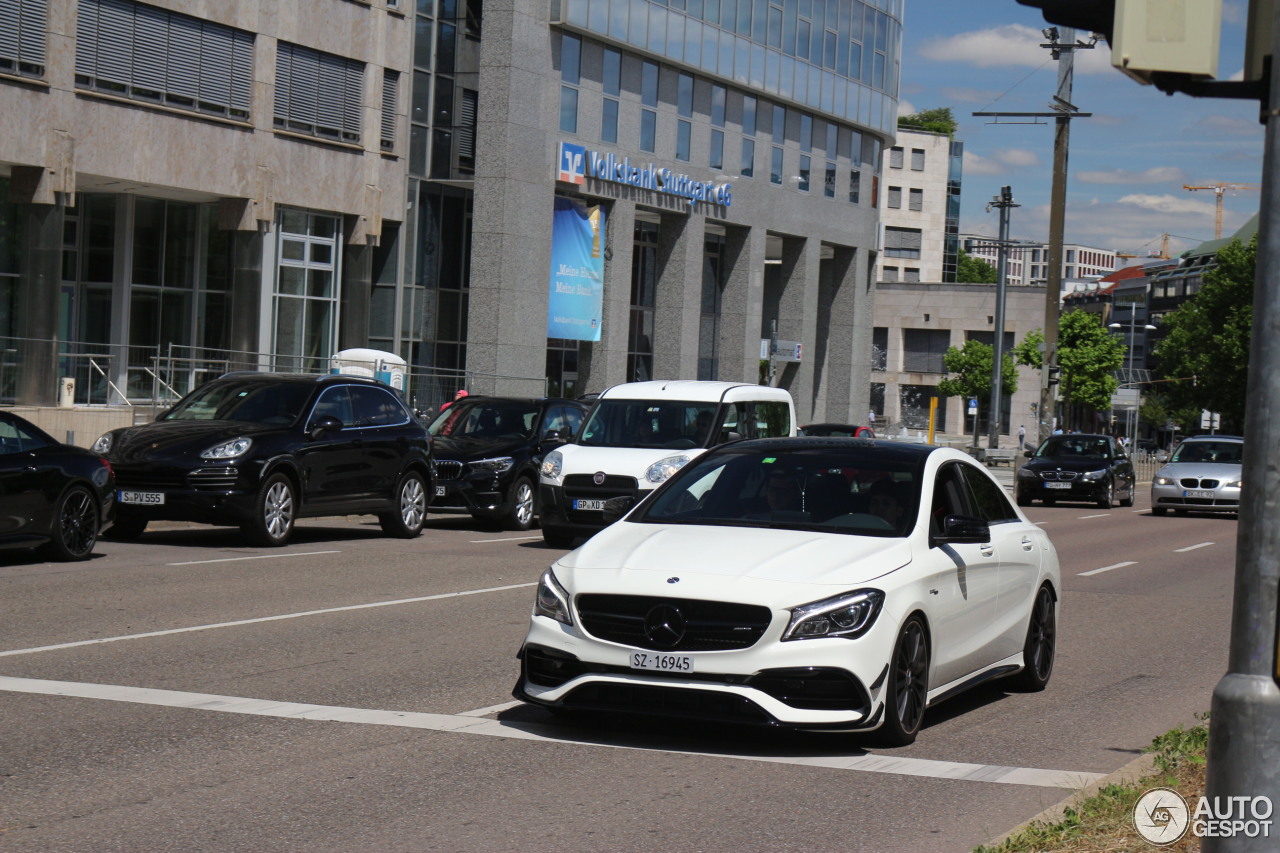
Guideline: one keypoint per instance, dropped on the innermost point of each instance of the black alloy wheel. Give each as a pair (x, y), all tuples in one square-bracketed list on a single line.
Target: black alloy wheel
[(1039, 650), (523, 509), (1129, 494), (411, 508), (275, 509), (1108, 499), (126, 528), (907, 691), (75, 526)]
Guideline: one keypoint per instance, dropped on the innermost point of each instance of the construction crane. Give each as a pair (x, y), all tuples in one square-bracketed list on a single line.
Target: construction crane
[(1218, 191), (1163, 255)]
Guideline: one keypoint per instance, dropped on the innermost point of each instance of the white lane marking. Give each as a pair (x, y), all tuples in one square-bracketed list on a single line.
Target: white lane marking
[(259, 619), (1192, 547), (532, 731), (258, 557), (492, 709), (1107, 569), (505, 539), (1099, 515)]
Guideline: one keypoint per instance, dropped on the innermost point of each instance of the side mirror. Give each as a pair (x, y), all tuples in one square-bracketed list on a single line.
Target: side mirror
[(322, 425), (616, 508), (964, 530), (553, 438), (1029, 453)]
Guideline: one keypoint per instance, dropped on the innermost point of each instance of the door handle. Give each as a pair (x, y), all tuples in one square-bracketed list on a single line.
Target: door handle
[(1028, 545), (987, 550)]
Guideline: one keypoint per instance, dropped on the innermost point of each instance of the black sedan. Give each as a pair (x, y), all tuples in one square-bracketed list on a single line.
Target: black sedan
[(1076, 467), (262, 450), (53, 496), (488, 450)]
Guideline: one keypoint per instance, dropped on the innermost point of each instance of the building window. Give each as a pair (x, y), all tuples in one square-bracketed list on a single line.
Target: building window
[(916, 199), (390, 101), (318, 94), (713, 281), (923, 350), (855, 180), (893, 199), (717, 106), (611, 83), (911, 274), (644, 280), (875, 190), (748, 167), (609, 120), (570, 64), (22, 37), (160, 57), (805, 168), (683, 131), (306, 291), (880, 348), (775, 168), (902, 242), (467, 130), (917, 159), (913, 402), (889, 274), (829, 181), (895, 157), (648, 130), (568, 109), (716, 159), (748, 115), (649, 84)]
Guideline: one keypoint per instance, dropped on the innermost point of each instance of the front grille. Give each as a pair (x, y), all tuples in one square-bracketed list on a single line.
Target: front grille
[(214, 478), (1193, 483), (448, 469), (693, 625), (1061, 476), (583, 486), (149, 480), (668, 701)]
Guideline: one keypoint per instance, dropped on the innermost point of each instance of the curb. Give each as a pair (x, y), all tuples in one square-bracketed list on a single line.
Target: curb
[(1140, 767)]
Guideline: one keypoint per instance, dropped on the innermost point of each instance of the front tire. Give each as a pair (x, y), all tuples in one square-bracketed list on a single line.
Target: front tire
[(907, 690), (523, 507), (75, 527), (1108, 499), (1040, 647), (411, 508), (274, 511)]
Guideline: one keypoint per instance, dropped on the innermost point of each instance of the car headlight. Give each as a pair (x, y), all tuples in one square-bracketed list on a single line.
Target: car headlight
[(1094, 476), (1027, 474), (497, 465), (1234, 484), (664, 468), (849, 616), (1163, 481), (103, 444), (552, 601), (228, 449), (553, 465)]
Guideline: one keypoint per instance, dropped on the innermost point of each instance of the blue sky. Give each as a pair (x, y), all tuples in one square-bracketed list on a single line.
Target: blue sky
[(1128, 163)]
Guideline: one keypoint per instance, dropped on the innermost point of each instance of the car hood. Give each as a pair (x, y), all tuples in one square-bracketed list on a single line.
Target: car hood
[(168, 438), (466, 448), (1068, 464), (1202, 471), (733, 563), (627, 461)]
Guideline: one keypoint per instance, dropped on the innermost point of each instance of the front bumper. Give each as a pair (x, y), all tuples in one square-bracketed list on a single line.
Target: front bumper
[(222, 494), (482, 496), (1058, 490), (1175, 496), (832, 684), (557, 507)]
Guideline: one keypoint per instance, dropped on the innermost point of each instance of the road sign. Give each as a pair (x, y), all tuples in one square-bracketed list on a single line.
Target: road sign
[(973, 405), (785, 351)]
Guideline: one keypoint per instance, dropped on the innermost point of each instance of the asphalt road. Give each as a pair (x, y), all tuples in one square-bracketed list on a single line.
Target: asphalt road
[(352, 693)]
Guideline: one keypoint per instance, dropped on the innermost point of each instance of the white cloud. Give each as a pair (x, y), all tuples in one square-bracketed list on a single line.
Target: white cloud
[(1230, 125), (1001, 162), (1154, 175), (1018, 157), (1169, 204), (967, 95), (1014, 45), (906, 108)]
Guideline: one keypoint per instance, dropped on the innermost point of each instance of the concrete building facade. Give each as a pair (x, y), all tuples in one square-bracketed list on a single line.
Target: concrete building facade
[(920, 208)]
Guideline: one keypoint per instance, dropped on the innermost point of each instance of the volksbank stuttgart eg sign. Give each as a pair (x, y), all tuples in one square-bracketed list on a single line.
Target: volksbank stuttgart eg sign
[(577, 163)]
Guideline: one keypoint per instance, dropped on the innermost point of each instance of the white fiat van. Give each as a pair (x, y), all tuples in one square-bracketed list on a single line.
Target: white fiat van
[(637, 434)]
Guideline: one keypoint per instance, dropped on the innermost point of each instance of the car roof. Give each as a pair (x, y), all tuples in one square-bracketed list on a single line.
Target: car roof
[(481, 398), (304, 378), (705, 390), (896, 451), (1212, 438)]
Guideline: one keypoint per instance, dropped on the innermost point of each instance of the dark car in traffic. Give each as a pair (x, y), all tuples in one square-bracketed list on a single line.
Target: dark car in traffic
[(53, 497), (262, 450), (1076, 467), (837, 430), (488, 451)]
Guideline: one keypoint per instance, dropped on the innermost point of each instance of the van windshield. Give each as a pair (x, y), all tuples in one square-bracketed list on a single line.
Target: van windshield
[(669, 424)]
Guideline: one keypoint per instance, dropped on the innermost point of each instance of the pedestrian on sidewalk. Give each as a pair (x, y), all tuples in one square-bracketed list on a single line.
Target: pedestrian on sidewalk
[(1022, 436)]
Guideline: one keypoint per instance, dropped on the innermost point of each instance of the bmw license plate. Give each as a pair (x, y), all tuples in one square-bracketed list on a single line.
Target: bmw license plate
[(440, 490), (145, 498), (1198, 494), (588, 504), (654, 662), (1057, 485)]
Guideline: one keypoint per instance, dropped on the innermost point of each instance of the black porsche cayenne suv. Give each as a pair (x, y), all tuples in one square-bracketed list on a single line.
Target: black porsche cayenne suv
[(262, 450)]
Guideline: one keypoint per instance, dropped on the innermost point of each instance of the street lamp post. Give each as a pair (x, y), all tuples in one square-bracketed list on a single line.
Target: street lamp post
[(1131, 416)]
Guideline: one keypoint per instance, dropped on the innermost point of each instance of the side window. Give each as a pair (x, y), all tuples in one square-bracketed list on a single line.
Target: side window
[(772, 419), (732, 421), (991, 502), (334, 402), (15, 439), (562, 419), (373, 407), (949, 496)]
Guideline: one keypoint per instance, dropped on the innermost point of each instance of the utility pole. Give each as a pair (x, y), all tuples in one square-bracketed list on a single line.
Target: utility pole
[(1062, 42), (1004, 202)]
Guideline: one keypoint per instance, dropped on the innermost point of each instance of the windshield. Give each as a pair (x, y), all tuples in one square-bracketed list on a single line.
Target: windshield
[(1224, 452), (843, 490), (669, 424), (486, 419), (1084, 447), (255, 401)]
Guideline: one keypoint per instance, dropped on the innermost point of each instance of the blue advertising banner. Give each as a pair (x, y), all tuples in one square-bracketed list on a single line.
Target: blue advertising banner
[(576, 304)]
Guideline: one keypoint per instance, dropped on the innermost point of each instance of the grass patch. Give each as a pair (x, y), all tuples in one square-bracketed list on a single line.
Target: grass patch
[(1103, 823)]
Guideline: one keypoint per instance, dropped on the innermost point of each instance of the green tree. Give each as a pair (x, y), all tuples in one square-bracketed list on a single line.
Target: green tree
[(971, 270), (1209, 337), (971, 366), (936, 120), (1031, 351), (1088, 356)]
